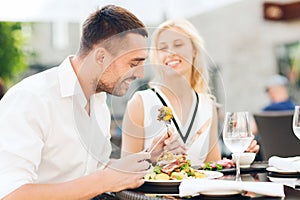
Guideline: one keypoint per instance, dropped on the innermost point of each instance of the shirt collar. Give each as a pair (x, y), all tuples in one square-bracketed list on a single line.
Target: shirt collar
[(70, 86), (69, 83)]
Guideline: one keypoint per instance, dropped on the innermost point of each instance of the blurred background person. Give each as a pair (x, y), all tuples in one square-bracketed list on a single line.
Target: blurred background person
[(280, 100), (277, 90)]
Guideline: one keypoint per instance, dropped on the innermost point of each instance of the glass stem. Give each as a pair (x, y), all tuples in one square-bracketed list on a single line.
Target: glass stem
[(238, 171)]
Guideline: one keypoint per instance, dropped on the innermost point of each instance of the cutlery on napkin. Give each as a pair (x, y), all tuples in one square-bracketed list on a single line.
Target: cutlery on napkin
[(190, 187), (289, 163)]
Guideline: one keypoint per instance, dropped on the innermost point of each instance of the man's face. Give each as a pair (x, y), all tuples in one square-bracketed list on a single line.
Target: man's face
[(125, 67), (278, 93)]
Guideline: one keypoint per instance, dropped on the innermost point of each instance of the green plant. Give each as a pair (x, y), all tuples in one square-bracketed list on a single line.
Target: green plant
[(12, 55)]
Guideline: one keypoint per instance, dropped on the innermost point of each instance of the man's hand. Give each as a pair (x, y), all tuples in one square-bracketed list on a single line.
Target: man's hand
[(127, 173)]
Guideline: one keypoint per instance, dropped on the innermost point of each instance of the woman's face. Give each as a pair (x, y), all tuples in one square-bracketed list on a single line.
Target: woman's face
[(175, 51)]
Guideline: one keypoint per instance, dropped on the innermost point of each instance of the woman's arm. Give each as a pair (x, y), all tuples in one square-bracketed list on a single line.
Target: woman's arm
[(214, 153), (133, 127)]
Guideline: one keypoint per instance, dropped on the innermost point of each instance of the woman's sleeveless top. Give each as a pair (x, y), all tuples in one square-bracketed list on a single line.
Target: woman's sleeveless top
[(198, 145)]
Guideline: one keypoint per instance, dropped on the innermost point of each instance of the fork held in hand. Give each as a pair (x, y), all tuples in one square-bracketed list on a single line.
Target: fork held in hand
[(159, 141)]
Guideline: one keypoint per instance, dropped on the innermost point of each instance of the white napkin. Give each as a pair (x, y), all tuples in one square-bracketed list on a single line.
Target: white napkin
[(289, 163), (190, 187), (291, 182)]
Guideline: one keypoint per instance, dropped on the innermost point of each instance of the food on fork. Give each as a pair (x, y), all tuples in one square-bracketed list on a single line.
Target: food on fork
[(165, 114), (173, 167)]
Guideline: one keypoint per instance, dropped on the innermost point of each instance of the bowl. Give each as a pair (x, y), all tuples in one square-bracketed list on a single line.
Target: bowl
[(246, 159)]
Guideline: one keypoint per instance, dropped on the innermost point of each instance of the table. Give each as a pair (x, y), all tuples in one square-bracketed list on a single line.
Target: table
[(256, 173), (290, 193)]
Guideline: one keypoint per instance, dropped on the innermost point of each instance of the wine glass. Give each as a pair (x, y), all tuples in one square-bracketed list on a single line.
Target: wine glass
[(296, 122), (237, 135)]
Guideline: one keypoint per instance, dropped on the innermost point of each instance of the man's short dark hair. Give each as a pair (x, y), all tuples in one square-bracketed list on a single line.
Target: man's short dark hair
[(108, 22)]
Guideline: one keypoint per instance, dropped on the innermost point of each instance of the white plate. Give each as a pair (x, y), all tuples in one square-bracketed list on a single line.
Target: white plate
[(244, 166), (221, 193), (274, 169), (209, 175)]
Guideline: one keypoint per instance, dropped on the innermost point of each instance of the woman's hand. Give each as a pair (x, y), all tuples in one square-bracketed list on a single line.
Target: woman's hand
[(170, 142), (253, 147)]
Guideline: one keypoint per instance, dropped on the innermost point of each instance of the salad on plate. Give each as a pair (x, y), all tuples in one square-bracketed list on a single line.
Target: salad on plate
[(173, 167), (225, 163)]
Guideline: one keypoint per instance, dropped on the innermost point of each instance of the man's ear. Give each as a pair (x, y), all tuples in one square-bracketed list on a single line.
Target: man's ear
[(100, 55)]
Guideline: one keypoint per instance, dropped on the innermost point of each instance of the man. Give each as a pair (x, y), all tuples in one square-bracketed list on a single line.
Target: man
[(54, 138), (278, 93)]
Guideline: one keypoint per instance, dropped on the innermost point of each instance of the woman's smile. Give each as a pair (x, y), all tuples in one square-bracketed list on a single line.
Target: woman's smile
[(173, 63)]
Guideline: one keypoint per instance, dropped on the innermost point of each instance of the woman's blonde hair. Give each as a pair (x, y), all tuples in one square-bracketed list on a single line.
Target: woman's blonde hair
[(199, 79)]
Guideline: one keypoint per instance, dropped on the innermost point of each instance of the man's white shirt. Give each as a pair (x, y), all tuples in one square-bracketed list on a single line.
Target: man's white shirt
[(46, 136)]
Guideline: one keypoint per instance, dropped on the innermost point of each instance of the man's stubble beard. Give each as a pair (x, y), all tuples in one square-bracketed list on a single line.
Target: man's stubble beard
[(115, 90)]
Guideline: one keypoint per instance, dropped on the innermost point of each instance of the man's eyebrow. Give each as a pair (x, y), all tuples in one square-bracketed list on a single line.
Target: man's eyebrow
[(139, 59)]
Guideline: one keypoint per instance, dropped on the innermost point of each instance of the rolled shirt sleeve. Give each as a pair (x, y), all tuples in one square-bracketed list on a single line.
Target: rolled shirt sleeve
[(22, 138)]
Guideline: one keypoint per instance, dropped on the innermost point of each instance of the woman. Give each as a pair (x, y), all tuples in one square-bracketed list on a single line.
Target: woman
[(181, 83)]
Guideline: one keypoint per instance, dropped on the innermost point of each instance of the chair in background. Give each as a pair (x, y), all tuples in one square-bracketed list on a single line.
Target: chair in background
[(276, 134)]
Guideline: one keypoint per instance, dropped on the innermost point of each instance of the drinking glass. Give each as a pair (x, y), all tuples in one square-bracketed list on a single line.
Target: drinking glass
[(296, 122), (237, 135)]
